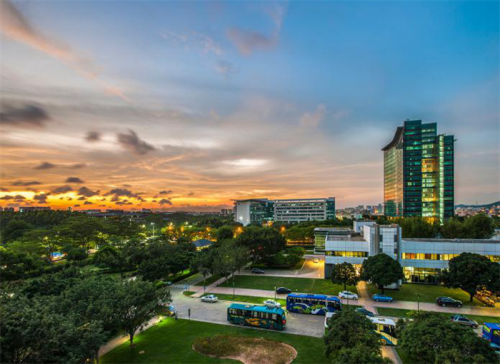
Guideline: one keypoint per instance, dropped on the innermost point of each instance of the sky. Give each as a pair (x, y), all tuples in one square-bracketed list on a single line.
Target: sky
[(187, 105)]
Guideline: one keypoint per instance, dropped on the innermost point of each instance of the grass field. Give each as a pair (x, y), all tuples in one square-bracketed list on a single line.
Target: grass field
[(301, 285), (209, 280), (397, 312), (171, 342), (428, 293), (247, 299)]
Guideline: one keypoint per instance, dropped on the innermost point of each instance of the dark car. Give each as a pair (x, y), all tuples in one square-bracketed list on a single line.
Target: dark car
[(257, 271), (448, 301), (283, 290), (462, 320), (365, 312)]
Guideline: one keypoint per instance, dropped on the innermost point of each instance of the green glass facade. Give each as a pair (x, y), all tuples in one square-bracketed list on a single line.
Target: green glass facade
[(261, 211), (419, 172)]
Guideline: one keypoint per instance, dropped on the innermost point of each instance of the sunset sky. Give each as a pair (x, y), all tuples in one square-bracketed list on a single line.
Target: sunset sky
[(186, 105)]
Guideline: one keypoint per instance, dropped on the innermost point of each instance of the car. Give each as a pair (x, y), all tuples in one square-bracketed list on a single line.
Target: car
[(348, 295), (328, 316), (448, 301), (170, 310), (258, 271), (272, 304), (209, 298), (283, 290), (462, 320), (316, 260), (365, 312), (382, 298)]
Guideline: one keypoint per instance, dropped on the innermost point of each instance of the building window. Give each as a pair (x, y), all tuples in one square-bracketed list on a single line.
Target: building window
[(342, 253)]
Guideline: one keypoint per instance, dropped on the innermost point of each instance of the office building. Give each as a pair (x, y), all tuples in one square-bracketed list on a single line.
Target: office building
[(253, 211), (289, 211), (419, 172), (308, 209), (422, 259)]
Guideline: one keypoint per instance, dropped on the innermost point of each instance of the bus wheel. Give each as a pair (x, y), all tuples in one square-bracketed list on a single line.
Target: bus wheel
[(384, 342), (242, 323)]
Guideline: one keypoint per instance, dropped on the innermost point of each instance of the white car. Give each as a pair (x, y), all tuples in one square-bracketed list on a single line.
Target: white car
[(210, 298), (348, 295), (272, 303), (316, 260)]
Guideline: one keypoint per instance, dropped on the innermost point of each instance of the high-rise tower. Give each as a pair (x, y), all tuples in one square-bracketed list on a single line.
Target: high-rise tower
[(419, 172)]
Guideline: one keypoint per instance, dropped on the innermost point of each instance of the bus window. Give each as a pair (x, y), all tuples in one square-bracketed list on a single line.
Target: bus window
[(275, 317), (255, 314), (388, 329)]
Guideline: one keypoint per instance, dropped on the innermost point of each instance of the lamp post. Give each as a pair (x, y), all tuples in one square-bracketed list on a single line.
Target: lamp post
[(153, 229), (418, 302)]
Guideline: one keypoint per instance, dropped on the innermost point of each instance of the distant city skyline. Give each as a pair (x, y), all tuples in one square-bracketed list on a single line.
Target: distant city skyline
[(188, 105)]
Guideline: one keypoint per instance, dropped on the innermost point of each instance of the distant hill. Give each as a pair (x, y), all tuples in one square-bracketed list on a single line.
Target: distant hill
[(480, 206)]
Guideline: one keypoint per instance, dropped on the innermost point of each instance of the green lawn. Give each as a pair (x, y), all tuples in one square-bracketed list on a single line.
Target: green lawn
[(171, 342), (209, 280), (247, 299), (397, 312), (301, 285), (428, 293)]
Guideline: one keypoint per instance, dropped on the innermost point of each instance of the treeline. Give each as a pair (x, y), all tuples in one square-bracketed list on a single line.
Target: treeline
[(479, 226)]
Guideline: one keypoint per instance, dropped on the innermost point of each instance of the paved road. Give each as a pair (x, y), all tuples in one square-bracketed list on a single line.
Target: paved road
[(308, 270), (217, 313)]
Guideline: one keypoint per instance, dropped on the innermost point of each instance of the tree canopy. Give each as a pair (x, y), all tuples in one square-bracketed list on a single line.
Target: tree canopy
[(344, 273), (430, 339), (381, 270)]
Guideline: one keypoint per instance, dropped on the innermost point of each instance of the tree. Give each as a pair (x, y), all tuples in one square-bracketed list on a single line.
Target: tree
[(261, 242), (381, 270), (479, 226), (239, 258), (75, 253), (154, 269), (469, 272), (203, 263), (138, 303), (82, 231), (452, 229), (430, 339), (224, 233), (357, 335), (15, 229), (18, 265), (344, 273), (358, 355)]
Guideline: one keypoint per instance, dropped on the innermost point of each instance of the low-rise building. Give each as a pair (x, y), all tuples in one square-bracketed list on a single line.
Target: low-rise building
[(253, 211), (306, 209), (422, 259)]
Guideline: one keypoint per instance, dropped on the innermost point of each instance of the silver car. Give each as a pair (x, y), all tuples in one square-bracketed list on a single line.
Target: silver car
[(462, 320), (210, 298)]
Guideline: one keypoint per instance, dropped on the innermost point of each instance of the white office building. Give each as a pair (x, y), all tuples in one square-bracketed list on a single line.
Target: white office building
[(422, 259), (307, 209)]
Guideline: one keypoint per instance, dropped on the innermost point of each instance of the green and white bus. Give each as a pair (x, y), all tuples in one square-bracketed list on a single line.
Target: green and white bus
[(257, 316)]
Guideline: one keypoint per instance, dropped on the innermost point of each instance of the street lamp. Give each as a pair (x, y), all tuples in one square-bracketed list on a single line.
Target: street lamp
[(153, 229), (418, 302)]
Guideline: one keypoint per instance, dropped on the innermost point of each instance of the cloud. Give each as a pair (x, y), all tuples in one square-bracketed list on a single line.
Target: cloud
[(120, 192), (45, 165), (164, 201), (194, 40), (26, 183), (224, 67), (15, 26), (87, 203), (77, 166), (249, 41), (123, 203), (190, 194), (74, 180), (84, 191), (166, 192), (4, 189), (62, 189), (132, 142), (93, 136), (25, 115), (83, 198), (41, 198), (315, 118)]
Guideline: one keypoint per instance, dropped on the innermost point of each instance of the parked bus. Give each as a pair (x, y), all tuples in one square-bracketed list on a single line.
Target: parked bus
[(491, 332), (315, 304), (257, 316), (386, 328)]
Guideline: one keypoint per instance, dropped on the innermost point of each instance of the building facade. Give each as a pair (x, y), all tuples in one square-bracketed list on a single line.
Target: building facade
[(422, 259), (293, 210), (419, 172), (307, 209), (253, 211)]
